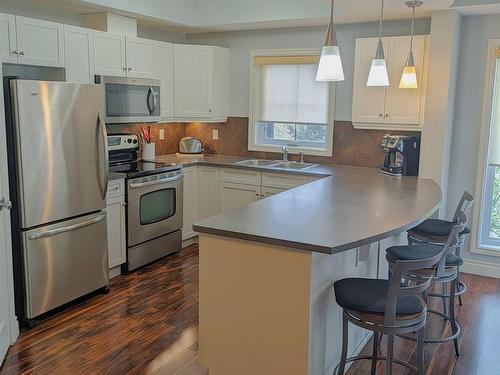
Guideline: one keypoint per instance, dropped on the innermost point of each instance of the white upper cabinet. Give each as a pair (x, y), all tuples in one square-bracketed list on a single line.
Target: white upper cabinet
[(8, 45), (201, 82), (139, 57), (109, 54), (164, 71), (39, 42), (389, 107), (79, 54)]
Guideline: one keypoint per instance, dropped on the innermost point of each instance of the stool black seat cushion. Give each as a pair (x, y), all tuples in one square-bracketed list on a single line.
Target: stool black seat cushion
[(416, 252), (369, 295), (438, 228)]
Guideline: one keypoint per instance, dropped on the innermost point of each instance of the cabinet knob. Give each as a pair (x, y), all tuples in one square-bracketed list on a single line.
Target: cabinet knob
[(129, 69), (386, 115), (14, 52), (21, 53), (124, 69), (380, 115)]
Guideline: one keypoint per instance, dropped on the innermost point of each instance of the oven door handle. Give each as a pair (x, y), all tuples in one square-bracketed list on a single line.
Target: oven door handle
[(136, 185)]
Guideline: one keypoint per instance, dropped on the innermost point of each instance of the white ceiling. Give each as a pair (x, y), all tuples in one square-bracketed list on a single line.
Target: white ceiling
[(219, 15)]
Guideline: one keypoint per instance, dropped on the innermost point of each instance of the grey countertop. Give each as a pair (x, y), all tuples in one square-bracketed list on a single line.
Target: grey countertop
[(353, 207), (350, 207)]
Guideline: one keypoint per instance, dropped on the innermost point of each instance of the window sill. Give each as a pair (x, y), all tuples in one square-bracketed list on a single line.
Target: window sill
[(292, 150), (486, 250)]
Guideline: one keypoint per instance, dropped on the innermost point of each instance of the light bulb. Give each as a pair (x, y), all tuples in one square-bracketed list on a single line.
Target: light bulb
[(409, 78), (378, 73), (330, 65)]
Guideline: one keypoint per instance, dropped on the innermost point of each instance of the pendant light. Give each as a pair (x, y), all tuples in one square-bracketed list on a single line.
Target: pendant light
[(409, 76), (330, 63), (378, 72)]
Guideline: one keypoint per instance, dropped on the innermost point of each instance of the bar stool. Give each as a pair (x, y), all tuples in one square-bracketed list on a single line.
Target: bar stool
[(389, 306), (435, 232), (446, 272)]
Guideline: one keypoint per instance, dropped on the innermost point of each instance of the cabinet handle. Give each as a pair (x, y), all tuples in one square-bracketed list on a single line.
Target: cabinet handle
[(129, 69), (386, 115), (124, 69), (21, 53), (380, 115), (14, 52)]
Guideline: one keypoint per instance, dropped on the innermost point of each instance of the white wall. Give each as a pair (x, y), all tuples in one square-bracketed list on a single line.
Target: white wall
[(476, 30), (241, 42)]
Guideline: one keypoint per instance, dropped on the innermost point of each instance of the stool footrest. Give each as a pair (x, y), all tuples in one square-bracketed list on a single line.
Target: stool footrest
[(360, 357), (429, 340)]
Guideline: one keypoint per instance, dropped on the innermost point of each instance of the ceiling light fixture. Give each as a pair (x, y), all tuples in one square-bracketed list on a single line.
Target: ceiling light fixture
[(409, 76), (378, 72), (330, 63)]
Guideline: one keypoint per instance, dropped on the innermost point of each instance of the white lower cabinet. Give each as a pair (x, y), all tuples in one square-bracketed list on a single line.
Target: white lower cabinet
[(190, 202), (115, 207), (208, 191), (269, 191), (237, 195)]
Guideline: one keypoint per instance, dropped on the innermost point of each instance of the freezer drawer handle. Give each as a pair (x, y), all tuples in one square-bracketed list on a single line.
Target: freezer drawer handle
[(53, 232), (134, 185)]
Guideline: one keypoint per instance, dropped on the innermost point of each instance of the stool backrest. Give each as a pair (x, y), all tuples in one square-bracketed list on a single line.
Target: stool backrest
[(465, 202), (435, 264)]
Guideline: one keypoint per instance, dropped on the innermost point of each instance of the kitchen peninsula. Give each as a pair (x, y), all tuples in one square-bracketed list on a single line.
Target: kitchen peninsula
[(267, 269)]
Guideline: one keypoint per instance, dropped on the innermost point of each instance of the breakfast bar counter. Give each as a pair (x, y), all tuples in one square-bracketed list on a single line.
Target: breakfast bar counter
[(267, 269)]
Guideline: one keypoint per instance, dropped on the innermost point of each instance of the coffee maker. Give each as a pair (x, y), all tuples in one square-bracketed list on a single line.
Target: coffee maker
[(402, 155)]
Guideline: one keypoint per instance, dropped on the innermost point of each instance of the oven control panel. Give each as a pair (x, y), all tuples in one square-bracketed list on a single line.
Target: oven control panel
[(122, 142)]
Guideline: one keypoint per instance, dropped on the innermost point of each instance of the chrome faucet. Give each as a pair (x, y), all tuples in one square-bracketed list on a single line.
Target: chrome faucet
[(284, 151)]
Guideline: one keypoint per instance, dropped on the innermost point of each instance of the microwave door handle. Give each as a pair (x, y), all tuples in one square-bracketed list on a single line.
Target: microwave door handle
[(135, 185), (53, 232), (102, 165), (148, 99), (154, 101)]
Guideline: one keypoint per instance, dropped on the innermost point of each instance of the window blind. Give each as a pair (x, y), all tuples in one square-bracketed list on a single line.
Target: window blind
[(289, 92), (494, 154)]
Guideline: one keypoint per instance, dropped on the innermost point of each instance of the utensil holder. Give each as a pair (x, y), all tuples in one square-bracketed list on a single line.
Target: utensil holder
[(148, 151)]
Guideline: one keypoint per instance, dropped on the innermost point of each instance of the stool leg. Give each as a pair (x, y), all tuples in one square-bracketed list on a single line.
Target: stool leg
[(454, 329), (345, 337), (374, 353), (445, 302), (460, 302), (420, 351), (390, 354)]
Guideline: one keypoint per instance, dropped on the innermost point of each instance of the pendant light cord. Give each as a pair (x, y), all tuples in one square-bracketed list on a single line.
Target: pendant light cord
[(331, 11), (412, 25), (380, 22)]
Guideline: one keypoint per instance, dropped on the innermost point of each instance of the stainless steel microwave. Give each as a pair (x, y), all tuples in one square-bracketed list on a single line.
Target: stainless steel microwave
[(126, 100)]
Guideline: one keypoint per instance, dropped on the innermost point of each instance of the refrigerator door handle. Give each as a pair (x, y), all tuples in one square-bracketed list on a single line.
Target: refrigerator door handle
[(53, 232), (102, 164)]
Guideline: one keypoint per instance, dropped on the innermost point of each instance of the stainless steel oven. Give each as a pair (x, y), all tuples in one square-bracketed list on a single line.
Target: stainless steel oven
[(126, 100), (154, 216)]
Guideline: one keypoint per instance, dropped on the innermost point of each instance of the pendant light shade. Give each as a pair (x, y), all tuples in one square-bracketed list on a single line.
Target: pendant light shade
[(378, 71), (409, 77), (330, 63)]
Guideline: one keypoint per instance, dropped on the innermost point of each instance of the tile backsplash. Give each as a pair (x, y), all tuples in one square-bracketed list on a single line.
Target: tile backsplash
[(358, 147)]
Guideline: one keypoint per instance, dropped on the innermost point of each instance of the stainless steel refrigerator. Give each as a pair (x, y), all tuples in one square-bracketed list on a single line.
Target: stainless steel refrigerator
[(58, 169)]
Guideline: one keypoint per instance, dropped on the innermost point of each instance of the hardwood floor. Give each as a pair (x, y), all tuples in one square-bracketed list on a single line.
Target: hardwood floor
[(147, 324)]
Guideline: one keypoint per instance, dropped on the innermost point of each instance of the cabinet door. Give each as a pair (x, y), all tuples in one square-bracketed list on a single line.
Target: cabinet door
[(270, 191), (139, 53), (79, 54), (115, 208), (403, 106), (190, 202), (237, 195), (164, 71), (220, 83), (8, 43), (39, 42), (193, 81), (109, 54), (208, 192), (367, 102)]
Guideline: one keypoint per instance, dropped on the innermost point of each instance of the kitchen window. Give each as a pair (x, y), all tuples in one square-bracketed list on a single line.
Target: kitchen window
[(288, 106), (488, 220)]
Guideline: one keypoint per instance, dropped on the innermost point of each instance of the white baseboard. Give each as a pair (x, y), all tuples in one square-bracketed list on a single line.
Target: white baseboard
[(478, 267)]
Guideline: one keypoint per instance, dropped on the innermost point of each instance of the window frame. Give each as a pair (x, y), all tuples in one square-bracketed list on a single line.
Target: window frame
[(254, 97), (480, 224)]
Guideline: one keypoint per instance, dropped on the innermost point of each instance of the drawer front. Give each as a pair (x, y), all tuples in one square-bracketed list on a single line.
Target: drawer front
[(116, 188), (241, 176), (282, 180)]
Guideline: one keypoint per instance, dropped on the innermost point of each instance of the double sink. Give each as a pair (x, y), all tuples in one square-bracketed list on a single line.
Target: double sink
[(280, 164)]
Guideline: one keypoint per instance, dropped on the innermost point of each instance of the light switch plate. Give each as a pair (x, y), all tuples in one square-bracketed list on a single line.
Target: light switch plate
[(215, 134), (162, 134)]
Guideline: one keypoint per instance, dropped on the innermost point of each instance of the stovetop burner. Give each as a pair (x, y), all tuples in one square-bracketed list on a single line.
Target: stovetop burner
[(141, 168)]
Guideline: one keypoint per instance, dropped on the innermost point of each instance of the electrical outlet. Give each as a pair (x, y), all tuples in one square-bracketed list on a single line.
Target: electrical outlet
[(215, 134), (162, 134)]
